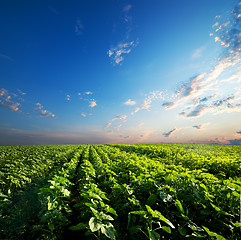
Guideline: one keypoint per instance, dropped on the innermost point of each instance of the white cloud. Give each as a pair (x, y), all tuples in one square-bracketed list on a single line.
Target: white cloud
[(130, 102), (67, 97), (6, 102), (43, 113), (92, 103), (88, 93), (116, 53)]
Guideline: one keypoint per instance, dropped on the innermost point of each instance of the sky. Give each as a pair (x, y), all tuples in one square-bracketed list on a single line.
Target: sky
[(117, 71)]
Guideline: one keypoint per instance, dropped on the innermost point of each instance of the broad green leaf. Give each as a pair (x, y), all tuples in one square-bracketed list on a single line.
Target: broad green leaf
[(213, 234), (142, 213), (151, 200), (79, 226), (237, 224), (94, 224), (154, 236), (179, 206), (66, 192), (112, 210), (153, 213), (95, 212), (194, 227), (108, 231), (105, 216), (167, 229), (182, 231), (215, 207), (205, 212), (203, 186), (162, 218)]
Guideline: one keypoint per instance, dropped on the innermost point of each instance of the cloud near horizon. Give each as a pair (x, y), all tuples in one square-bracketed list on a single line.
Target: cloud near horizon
[(118, 117), (168, 134)]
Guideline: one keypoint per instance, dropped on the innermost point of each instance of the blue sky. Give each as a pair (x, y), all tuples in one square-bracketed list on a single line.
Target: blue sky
[(120, 71)]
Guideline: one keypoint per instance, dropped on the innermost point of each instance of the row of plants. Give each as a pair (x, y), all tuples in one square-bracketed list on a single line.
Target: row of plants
[(222, 161), (37, 207)]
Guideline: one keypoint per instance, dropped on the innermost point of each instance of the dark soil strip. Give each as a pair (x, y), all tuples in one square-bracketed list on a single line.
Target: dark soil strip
[(73, 218)]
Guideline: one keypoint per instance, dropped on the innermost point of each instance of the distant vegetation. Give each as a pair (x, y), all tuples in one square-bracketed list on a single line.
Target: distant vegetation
[(156, 191)]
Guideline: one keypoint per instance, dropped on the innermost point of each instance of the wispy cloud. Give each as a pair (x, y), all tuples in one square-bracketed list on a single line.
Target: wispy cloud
[(130, 102), (6, 102), (88, 93), (118, 117), (79, 27), (42, 112), (168, 134), (21, 92), (198, 52), (226, 105), (140, 124), (54, 10), (126, 9), (200, 126), (123, 48), (83, 114), (3, 56), (199, 86)]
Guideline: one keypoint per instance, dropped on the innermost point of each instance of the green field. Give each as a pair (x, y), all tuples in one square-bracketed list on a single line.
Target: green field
[(157, 191)]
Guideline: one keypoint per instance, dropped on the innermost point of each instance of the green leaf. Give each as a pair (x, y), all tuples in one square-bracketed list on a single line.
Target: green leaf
[(79, 226), (179, 206), (165, 197), (142, 213), (108, 231), (162, 218), (203, 186), (94, 224), (205, 212), (66, 192), (105, 216), (167, 229), (111, 210), (151, 200), (95, 212), (215, 207), (182, 231), (237, 224), (154, 236), (213, 234), (153, 213)]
